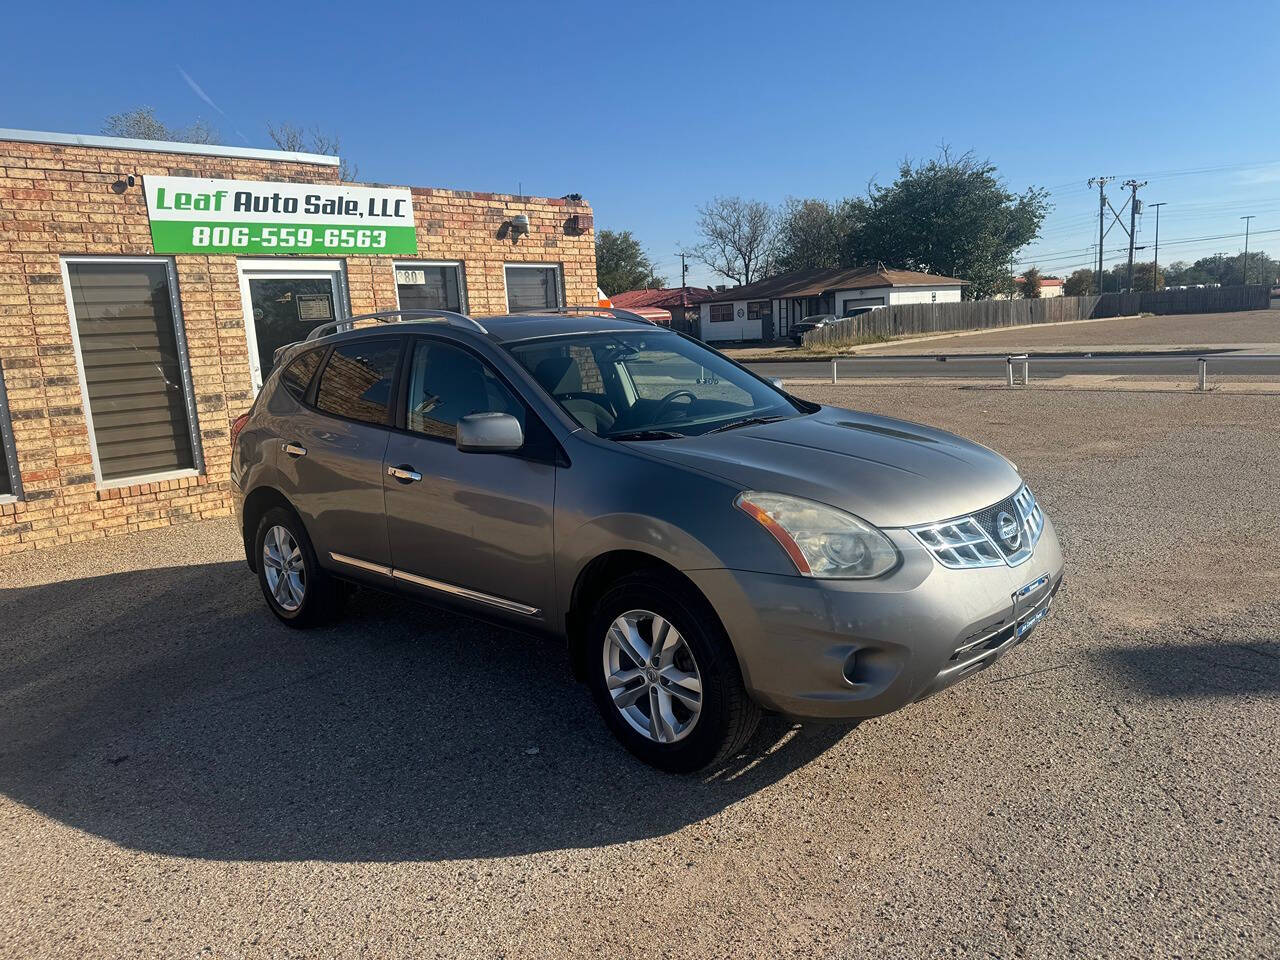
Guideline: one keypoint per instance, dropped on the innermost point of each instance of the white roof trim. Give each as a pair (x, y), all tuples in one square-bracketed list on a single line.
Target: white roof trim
[(164, 146)]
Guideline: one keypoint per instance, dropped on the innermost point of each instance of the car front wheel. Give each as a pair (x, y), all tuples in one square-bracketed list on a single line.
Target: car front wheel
[(665, 677)]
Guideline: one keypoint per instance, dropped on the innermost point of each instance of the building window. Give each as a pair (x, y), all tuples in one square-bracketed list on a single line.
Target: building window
[(430, 286), (532, 288), (760, 310), (133, 367), (356, 381), (721, 312), (10, 479)]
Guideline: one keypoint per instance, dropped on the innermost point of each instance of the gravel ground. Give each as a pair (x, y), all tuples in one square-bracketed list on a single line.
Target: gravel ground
[(182, 777)]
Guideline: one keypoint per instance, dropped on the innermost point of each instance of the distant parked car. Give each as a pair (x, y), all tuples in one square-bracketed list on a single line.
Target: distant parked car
[(820, 320), (815, 322)]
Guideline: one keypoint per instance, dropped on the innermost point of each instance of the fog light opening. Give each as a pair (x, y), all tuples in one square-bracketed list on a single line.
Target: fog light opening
[(870, 667)]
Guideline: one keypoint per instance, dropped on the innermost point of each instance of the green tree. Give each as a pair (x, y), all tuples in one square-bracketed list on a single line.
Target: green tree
[(141, 123), (1142, 281), (1079, 284), (622, 264), (1224, 268), (951, 215), (1031, 284), (810, 235)]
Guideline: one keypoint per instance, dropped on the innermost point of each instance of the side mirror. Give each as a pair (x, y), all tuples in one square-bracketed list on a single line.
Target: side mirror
[(776, 382), (489, 433)]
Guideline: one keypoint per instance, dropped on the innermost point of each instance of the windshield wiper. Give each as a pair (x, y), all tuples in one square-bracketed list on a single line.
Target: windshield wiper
[(744, 422), (645, 435)]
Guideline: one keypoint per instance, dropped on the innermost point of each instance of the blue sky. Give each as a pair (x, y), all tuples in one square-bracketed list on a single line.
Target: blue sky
[(649, 110)]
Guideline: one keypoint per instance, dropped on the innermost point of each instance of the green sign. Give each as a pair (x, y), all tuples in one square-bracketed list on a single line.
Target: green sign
[(190, 215)]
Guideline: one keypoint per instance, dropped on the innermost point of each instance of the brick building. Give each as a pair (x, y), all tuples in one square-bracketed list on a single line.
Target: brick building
[(139, 309)]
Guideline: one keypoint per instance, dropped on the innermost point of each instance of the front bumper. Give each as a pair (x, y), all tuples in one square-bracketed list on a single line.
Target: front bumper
[(862, 648)]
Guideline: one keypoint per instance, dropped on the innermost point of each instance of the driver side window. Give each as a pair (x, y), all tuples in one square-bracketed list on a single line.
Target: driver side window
[(447, 383)]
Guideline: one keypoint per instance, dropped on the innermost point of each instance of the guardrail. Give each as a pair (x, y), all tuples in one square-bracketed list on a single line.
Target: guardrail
[(1018, 365)]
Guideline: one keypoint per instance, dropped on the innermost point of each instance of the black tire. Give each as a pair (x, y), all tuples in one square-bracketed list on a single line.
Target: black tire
[(323, 597), (727, 716)]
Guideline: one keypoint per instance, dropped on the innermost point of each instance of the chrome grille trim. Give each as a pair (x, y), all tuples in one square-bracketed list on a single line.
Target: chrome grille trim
[(964, 544)]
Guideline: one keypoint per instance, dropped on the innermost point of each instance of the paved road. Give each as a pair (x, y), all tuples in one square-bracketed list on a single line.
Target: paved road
[(992, 367), (181, 776)]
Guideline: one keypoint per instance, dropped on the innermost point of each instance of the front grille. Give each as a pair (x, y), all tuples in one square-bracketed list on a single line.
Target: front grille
[(1005, 533)]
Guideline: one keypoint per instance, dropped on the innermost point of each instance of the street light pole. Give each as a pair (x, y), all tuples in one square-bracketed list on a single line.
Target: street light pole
[(1245, 265), (1155, 264)]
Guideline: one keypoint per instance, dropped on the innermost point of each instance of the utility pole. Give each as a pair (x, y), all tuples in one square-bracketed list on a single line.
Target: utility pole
[(1102, 209), (1155, 265), (1246, 247), (1133, 186), (684, 270)]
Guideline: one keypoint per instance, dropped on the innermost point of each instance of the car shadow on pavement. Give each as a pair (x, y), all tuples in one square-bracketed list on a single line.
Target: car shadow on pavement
[(1226, 669), (167, 711)]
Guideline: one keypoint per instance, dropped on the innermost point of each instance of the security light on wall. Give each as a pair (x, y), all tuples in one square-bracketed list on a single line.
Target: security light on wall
[(519, 226)]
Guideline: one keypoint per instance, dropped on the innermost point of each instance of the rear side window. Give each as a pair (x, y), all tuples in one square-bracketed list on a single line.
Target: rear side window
[(297, 375), (356, 382)]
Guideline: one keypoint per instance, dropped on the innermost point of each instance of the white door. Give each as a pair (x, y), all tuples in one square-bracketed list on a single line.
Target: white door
[(284, 300)]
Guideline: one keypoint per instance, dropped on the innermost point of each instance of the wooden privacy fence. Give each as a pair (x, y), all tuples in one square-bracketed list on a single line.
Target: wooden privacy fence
[(922, 319)]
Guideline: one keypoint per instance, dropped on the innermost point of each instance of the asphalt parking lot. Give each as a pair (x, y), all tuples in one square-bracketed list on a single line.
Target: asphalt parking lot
[(181, 776)]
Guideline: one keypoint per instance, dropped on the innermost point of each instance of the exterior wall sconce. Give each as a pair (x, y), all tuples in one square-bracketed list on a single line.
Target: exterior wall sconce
[(519, 227)]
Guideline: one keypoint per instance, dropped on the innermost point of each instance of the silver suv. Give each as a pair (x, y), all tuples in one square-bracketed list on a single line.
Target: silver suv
[(708, 545)]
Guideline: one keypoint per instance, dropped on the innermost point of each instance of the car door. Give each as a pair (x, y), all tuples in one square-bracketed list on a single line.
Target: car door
[(332, 453), (475, 527)]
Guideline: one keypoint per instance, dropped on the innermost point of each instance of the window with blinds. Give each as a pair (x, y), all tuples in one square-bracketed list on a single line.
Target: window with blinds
[(429, 287), (9, 483), (532, 288), (130, 350)]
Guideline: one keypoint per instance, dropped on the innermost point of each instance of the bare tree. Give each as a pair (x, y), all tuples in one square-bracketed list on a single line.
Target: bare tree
[(141, 123), (290, 136), (738, 238)]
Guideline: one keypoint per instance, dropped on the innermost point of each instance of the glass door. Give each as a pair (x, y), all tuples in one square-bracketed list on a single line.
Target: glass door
[(282, 304)]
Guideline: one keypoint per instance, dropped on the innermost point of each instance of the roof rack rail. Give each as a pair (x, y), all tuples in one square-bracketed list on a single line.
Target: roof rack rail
[(615, 312), (397, 316)]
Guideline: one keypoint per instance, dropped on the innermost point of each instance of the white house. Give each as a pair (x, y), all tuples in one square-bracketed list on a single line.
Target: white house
[(767, 309)]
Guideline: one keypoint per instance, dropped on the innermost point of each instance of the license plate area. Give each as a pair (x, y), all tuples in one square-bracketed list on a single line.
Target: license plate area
[(1030, 594)]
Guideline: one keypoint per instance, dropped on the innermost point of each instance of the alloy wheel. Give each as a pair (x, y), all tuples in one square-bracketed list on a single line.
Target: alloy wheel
[(286, 573), (652, 676)]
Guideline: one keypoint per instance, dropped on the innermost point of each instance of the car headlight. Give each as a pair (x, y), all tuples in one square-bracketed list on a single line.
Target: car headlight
[(821, 540)]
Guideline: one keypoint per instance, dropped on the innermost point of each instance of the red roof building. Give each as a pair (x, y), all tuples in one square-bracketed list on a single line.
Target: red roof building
[(679, 303), (663, 299)]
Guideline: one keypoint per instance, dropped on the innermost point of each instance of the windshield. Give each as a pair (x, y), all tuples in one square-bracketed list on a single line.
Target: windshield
[(645, 386)]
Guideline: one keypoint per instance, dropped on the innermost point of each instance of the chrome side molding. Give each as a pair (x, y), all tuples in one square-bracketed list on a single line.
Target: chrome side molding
[(475, 595), (359, 564)]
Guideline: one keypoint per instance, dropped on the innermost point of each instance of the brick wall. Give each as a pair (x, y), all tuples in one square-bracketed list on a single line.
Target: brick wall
[(61, 200)]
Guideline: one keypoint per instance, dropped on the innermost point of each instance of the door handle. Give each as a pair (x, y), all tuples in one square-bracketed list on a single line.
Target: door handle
[(404, 473), (294, 449)]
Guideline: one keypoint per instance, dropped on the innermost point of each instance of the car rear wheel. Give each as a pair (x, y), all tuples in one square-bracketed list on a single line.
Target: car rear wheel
[(298, 592), (664, 676)]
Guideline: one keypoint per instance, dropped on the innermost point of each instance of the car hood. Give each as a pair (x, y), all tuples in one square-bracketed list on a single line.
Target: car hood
[(889, 472)]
